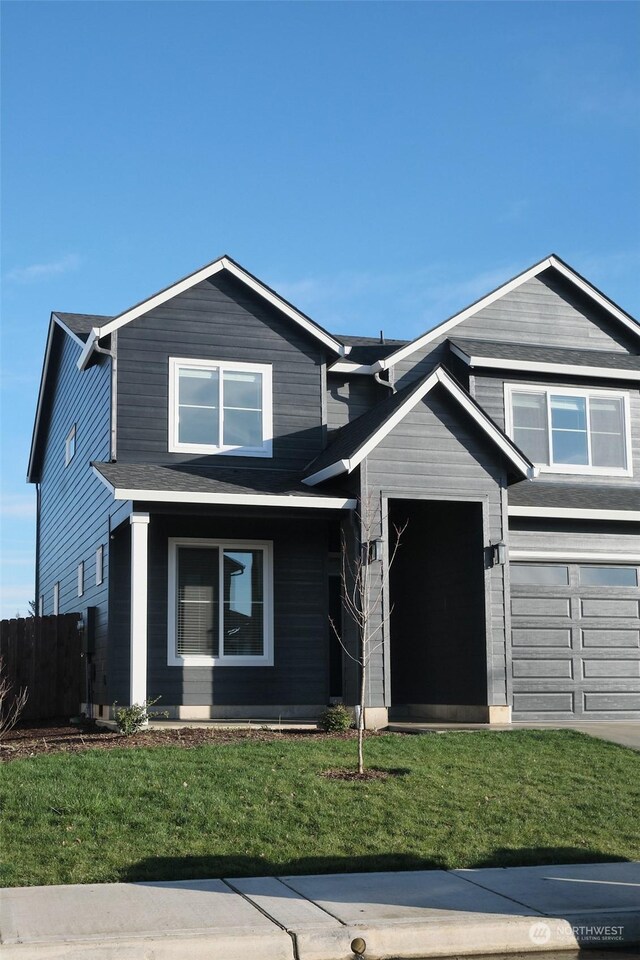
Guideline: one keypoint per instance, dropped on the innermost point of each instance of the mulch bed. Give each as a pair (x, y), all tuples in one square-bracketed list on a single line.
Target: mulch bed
[(59, 736), (372, 774)]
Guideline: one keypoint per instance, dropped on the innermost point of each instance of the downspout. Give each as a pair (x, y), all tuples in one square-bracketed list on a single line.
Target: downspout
[(385, 383), (38, 500)]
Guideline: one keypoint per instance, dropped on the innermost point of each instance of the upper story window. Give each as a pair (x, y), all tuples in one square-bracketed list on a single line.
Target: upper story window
[(220, 407), (565, 430), (70, 446)]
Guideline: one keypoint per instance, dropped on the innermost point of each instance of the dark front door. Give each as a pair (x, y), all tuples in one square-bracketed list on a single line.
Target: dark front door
[(438, 632)]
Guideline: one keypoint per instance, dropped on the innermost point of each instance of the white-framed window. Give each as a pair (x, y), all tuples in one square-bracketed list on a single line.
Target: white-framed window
[(81, 578), (99, 565), (56, 598), (220, 407), (70, 446), (220, 602), (568, 430)]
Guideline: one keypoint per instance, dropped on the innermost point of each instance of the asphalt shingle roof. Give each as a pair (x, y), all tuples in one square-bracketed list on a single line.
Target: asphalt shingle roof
[(187, 478), (368, 349), (491, 349), (582, 496), (81, 323)]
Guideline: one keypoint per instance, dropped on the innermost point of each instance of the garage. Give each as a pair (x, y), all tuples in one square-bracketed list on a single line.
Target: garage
[(575, 651)]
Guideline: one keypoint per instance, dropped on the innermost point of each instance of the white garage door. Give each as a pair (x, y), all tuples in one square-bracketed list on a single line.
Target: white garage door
[(575, 641)]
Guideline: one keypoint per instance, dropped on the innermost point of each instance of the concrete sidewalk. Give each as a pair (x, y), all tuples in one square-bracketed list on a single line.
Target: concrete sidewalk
[(336, 917)]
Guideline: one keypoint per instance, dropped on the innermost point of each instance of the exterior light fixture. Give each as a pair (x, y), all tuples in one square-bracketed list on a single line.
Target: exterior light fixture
[(499, 553), (376, 550)]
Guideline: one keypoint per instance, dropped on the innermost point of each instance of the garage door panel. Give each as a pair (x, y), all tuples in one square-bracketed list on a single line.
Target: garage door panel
[(612, 639), (540, 607), (549, 702), (541, 637), (613, 701), (610, 609), (541, 669), (575, 651), (610, 668)]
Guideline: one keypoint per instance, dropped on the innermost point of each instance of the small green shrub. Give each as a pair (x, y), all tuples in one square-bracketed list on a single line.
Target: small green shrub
[(130, 720), (336, 719)]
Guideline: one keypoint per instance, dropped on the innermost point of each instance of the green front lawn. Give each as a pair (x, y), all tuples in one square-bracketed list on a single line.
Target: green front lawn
[(250, 808)]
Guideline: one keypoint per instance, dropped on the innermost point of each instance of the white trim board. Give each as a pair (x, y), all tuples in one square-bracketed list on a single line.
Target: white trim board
[(574, 557), (551, 261), (574, 513), (538, 366), (229, 499), (204, 273), (439, 376)]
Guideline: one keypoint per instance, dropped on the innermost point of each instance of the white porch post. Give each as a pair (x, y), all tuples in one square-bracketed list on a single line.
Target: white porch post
[(138, 658)]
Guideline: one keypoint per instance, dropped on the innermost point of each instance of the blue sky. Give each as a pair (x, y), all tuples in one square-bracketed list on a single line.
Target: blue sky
[(381, 164)]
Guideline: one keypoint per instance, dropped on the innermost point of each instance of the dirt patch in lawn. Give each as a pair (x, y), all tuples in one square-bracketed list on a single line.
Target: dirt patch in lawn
[(38, 739)]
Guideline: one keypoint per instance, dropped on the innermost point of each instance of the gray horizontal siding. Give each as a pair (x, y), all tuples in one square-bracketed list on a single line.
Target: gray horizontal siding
[(218, 320), (300, 673), (544, 310), (574, 537), (350, 397), (74, 512), (436, 451)]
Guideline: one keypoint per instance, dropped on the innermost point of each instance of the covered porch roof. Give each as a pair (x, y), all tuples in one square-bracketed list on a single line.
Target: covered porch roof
[(193, 483)]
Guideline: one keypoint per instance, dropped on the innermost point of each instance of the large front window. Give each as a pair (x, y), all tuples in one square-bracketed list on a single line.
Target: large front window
[(219, 602), (220, 407), (571, 431)]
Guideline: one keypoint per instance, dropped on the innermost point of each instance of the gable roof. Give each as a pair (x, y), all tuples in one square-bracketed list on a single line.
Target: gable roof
[(356, 440), (559, 360), (552, 261), (204, 273), (363, 350)]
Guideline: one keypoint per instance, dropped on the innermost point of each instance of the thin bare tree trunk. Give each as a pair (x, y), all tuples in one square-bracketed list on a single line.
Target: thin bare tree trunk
[(363, 691)]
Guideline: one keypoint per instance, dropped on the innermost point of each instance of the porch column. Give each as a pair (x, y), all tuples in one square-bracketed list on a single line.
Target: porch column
[(138, 645)]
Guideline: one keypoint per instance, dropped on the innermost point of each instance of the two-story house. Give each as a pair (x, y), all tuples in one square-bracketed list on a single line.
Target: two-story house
[(202, 459)]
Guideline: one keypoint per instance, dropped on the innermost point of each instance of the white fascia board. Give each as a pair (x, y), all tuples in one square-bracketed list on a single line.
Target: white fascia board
[(229, 499), (595, 295), (574, 513), (341, 466), (508, 448), (457, 318), (470, 311), (347, 366), (68, 331), (87, 348), (539, 366), (439, 375), (204, 274), (284, 307), (568, 556)]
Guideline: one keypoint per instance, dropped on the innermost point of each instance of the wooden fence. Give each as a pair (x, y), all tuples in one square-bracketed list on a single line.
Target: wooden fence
[(44, 654)]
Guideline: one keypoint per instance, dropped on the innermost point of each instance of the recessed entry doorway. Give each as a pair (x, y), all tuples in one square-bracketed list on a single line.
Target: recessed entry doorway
[(437, 594)]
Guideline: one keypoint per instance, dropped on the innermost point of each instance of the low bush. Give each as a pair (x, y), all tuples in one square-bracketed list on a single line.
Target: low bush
[(130, 720), (336, 719)]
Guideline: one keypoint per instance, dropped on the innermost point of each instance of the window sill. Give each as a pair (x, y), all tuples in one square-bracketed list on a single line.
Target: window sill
[(582, 471), (211, 451), (266, 661)]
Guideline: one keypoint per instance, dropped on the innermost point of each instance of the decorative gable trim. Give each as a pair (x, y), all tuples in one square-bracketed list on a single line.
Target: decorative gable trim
[(222, 263), (439, 376), (559, 265)]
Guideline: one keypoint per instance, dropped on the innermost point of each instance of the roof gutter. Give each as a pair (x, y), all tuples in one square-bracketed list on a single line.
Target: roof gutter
[(87, 350)]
